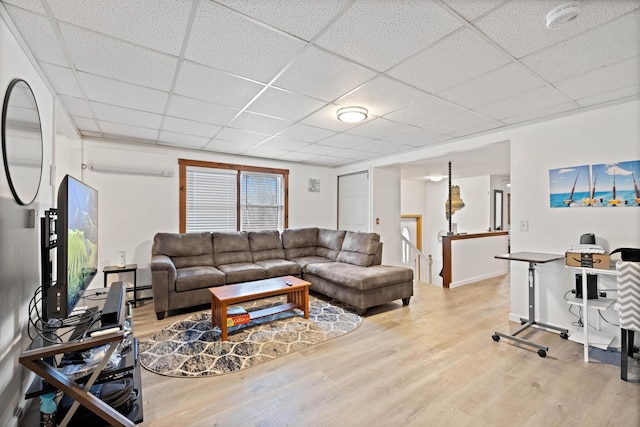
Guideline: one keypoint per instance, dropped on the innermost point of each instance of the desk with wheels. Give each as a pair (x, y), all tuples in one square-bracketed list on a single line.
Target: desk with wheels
[(532, 258)]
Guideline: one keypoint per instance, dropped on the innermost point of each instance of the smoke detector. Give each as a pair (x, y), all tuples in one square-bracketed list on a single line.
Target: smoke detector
[(562, 14)]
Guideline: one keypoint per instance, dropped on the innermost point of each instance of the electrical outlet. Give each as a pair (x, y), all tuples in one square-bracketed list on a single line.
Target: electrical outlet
[(524, 225), (603, 294)]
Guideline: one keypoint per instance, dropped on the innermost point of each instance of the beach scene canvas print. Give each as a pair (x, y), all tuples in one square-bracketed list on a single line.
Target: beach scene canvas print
[(615, 185), (568, 186)]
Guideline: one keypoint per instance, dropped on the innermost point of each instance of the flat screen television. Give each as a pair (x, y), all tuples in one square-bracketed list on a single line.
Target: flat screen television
[(77, 247)]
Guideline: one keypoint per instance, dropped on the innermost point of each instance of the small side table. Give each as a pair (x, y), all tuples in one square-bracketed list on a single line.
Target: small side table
[(114, 269)]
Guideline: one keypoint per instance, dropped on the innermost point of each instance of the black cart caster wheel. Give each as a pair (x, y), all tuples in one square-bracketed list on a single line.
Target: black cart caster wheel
[(564, 335), (495, 337), (542, 353), (522, 322)]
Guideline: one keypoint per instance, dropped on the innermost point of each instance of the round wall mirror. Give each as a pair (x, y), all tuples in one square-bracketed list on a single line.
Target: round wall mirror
[(22, 142)]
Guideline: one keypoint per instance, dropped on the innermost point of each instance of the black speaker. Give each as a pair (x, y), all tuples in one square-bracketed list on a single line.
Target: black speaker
[(592, 286), (56, 302)]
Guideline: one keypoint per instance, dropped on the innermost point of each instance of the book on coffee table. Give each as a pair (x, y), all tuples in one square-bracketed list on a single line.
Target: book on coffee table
[(237, 315)]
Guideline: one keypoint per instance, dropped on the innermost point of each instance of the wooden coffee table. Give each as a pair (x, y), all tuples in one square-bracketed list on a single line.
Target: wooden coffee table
[(223, 296)]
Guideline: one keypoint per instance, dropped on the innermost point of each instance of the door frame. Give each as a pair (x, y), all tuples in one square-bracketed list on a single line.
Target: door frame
[(418, 219)]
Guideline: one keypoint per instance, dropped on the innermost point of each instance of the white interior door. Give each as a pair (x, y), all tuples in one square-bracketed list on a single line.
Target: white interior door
[(353, 202)]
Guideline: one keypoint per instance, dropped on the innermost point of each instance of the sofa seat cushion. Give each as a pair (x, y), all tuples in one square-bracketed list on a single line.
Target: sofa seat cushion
[(191, 278), (361, 278), (303, 261), (242, 272), (279, 267)]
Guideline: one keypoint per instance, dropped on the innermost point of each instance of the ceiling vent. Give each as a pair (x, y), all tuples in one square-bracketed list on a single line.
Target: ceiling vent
[(562, 14)]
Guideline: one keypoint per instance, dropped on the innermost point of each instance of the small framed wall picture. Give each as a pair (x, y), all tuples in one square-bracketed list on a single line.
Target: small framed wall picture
[(314, 185)]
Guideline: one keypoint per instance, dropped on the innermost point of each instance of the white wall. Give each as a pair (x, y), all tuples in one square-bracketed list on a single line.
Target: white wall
[(386, 209), (601, 136), (19, 245), (413, 201), (132, 208)]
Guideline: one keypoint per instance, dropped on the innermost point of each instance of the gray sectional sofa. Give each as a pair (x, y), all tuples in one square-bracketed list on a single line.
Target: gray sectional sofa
[(343, 265)]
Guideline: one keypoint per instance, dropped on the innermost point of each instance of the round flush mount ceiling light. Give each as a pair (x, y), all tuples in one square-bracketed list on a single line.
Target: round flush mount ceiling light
[(562, 14), (352, 114), (436, 178)]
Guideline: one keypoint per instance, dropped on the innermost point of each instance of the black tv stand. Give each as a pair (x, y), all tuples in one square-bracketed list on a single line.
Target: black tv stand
[(40, 358)]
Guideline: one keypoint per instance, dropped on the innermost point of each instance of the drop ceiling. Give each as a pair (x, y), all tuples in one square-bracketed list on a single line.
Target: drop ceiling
[(265, 78)]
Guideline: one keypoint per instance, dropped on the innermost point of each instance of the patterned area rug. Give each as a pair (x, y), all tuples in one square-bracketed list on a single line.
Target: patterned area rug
[(191, 348)]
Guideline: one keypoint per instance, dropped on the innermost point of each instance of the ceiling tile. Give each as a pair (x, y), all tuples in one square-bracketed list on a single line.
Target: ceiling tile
[(32, 5), (62, 80), (117, 130), (284, 144), (382, 95), (429, 110), (108, 57), (38, 33), (471, 9), (259, 123), (505, 82), (330, 161), (322, 75), (296, 156), (602, 80), (377, 128), (195, 109), (480, 127), (415, 137), (536, 99), (115, 92), (453, 60), (305, 133), (244, 137), (284, 104), (327, 118), (189, 127), (318, 149), (208, 84), (182, 140), (302, 19), (610, 43), (158, 24), (343, 140), (265, 152), (462, 120), (383, 147), (521, 36), (228, 146), (127, 116), (381, 34), (629, 91), (85, 124), (545, 112), (76, 106), (353, 154), (226, 40)]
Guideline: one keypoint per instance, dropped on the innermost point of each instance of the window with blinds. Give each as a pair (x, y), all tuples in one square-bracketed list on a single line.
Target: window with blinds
[(229, 197), (211, 199)]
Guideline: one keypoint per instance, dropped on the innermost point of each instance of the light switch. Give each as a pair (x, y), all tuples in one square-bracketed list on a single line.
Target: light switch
[(524, 225)]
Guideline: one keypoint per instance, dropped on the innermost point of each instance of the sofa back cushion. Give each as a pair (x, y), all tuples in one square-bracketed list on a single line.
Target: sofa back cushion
[(359, 248), (230, 247), (329, 243), (265, 245), (299, 242), (185, 250)]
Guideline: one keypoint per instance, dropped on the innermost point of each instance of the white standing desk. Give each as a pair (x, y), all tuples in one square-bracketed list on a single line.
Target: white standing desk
[(598, 339)]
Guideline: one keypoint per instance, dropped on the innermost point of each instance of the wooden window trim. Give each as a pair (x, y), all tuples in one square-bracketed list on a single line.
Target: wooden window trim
[(183, 163)]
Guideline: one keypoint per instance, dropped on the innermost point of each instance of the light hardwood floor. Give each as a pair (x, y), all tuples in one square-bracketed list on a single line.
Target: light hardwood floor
[(430, 363)]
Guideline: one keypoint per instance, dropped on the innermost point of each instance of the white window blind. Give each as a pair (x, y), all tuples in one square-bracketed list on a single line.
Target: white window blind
[(211, 199), (261, 201)]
